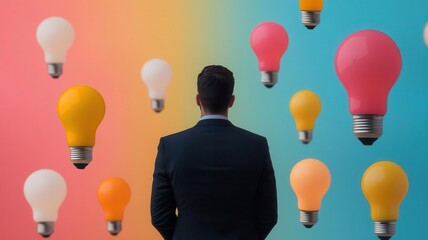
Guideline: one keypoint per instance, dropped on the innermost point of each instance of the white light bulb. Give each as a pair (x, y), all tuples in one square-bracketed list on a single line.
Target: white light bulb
[(45, 191), (157, 74), (55, 35), (426, 34)]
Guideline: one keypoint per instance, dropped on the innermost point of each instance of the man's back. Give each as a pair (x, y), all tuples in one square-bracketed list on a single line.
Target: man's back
[(220, 178)]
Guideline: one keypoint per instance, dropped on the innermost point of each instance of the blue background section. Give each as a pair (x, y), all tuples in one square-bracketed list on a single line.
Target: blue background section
[(309, 64)]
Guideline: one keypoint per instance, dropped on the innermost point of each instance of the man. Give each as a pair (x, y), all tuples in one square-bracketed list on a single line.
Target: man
[(219, 177)]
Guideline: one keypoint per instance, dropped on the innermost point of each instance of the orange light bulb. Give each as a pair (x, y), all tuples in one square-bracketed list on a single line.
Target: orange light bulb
[(114, 194), (310, 179)]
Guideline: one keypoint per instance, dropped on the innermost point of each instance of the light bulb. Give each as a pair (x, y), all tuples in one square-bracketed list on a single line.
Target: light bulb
[(81, 109), (368, 64), (269, 41), (114, 194), (55, 35), (310, 179), (156, 74), (426, 34), (305, 106), (311, 12), (384, 185), (45, 191)]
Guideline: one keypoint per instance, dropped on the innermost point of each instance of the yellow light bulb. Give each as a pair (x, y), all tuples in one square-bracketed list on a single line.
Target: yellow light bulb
[(81, 109), (114, 194), (311, 12), (384, 185), (310, 179), (305, 107)]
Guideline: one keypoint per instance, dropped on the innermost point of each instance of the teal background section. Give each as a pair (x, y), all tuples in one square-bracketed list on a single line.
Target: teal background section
[(309, 64)]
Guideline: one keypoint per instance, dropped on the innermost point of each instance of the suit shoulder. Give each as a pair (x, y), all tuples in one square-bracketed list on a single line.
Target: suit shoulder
[(177, 135), (250, 134)]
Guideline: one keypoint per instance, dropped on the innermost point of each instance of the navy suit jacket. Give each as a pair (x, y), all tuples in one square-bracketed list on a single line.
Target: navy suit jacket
[(220, 180)]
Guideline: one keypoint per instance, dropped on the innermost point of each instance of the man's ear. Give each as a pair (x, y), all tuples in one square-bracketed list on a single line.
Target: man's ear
[(232, 100), (198, 100)]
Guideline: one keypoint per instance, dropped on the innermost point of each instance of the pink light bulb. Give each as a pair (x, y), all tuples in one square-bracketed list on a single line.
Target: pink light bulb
[(269, 41), (368, 64)]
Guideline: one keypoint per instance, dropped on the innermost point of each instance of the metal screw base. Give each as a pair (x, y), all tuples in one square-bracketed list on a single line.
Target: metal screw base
[(368, 127), (158, 105), (114, 227), (308, 218), (45, 229), (385, 229), (305, 136), (81, 156), (311, 19), (55, 69), (269, 78)]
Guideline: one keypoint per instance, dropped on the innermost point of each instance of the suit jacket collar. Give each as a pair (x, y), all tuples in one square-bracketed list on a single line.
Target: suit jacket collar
[(214, 122)]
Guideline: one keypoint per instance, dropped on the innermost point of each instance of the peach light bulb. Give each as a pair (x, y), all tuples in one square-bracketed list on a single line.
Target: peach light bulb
[(426, 34), (305, 107), (81, 109), (114, 194), (384, 185), (310, 180)]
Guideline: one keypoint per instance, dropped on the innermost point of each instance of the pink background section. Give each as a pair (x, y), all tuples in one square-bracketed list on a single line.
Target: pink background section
[(32, 137), (113, 40)]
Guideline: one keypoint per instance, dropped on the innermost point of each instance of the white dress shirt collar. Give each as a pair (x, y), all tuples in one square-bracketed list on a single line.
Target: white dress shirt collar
[(207, 117)]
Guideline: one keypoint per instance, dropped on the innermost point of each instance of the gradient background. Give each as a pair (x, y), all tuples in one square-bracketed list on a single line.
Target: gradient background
[(113, 40)]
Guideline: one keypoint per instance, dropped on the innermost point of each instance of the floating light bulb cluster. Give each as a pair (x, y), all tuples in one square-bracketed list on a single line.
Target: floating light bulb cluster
[(80, 109), (45, 191), (384, 184), (368, 63)]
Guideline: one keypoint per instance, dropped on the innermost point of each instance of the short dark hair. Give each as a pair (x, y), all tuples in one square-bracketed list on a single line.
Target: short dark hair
[(215, 88)]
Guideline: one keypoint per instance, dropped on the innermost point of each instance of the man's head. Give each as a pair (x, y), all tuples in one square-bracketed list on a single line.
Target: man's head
[(215, 90)]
